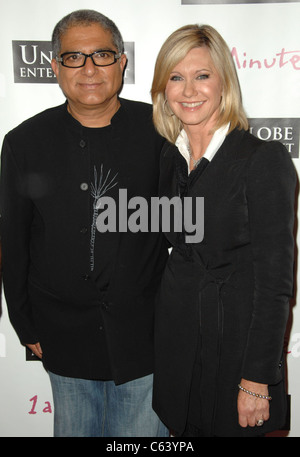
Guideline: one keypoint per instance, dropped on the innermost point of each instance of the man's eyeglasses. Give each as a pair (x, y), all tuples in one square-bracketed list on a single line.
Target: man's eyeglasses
[(100, 58)]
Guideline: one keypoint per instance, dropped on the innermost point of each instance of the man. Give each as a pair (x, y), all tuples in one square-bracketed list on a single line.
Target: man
[(81, 300)]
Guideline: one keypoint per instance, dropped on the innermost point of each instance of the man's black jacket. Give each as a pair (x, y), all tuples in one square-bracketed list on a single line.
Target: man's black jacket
[(46, 209)]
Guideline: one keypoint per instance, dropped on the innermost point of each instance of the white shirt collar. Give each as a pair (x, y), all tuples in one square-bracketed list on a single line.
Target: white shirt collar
[(219, 136)]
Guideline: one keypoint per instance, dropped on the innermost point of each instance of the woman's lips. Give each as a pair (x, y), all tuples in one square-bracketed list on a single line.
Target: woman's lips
[(191, 105)]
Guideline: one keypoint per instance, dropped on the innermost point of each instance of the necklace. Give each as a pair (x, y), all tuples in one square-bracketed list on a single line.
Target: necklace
[(195, 162)]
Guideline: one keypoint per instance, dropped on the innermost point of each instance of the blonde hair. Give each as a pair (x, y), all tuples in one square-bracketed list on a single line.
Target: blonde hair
[(172, 52)]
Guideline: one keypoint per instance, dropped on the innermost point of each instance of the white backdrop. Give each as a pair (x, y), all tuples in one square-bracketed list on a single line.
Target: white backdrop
[(265, 42)]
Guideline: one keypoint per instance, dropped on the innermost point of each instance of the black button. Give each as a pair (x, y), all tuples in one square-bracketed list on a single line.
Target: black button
[(105, 305), (82, 144), (83, 230)]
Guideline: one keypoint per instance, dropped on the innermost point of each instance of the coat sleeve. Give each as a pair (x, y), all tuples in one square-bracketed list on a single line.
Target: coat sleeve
[(270, 195), (16, 219)]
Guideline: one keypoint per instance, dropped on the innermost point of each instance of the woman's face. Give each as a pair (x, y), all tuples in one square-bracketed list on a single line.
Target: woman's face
[(194, 89)]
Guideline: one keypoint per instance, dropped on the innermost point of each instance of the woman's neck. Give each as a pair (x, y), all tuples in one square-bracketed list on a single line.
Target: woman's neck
[(199, 140)]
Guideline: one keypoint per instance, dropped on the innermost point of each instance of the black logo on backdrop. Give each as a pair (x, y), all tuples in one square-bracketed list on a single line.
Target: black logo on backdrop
[(129, 77), (285, 130), (32, 62)]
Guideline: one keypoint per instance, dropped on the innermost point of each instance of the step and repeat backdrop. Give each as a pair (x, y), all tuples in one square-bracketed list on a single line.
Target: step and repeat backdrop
[(264, 37)]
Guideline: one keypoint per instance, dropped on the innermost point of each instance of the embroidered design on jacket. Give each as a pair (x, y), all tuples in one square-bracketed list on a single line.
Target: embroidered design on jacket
[(98, 189)]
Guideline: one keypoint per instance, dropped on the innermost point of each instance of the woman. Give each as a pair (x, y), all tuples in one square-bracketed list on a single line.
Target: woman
[(224, 302)]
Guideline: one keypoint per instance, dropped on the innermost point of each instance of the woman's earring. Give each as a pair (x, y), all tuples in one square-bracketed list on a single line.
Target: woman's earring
[(222, 103), (165, 107)]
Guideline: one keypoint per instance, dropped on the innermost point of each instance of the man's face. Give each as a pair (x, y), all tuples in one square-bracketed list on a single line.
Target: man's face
[(89, 86)]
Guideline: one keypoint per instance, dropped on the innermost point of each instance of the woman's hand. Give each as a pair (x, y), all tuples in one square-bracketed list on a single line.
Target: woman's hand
[(252, 409), (36, 349)]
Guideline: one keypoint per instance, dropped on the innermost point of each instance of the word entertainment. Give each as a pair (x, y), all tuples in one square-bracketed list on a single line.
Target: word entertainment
[(175, 214)]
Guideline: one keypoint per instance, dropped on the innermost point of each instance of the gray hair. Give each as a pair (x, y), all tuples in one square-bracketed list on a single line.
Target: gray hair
[(85, 17)]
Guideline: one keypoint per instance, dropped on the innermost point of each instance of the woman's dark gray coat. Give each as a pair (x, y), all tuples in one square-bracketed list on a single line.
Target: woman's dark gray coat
[(224, 302)]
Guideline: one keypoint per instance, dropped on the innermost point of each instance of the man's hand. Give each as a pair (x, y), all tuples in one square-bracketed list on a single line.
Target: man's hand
[(36, 349), (252, 409)]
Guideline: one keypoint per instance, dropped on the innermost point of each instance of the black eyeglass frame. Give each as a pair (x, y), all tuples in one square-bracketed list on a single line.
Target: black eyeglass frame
[(116, 57)]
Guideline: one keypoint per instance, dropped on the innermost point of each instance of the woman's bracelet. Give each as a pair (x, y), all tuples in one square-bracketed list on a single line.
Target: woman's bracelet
[(264, 397)]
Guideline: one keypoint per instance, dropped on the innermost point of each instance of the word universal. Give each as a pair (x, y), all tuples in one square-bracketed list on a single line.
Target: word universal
[(185, 215)]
